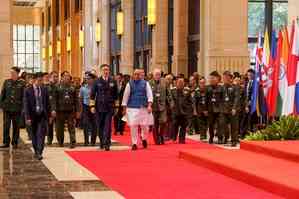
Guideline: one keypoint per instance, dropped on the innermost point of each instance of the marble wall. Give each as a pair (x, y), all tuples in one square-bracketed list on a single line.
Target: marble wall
[(6, 44)]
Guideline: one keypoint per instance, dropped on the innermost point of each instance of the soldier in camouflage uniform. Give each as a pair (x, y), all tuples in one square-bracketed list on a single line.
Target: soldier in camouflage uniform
[(51, 86), (65, 106), (230, 109), (214, 103), (11, 101), (201, 108), (181, 105), (160, 103)]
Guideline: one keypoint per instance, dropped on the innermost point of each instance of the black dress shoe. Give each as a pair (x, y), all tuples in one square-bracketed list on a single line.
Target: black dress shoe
[(211, 141), (61, 145), (107, 148), (101, 146), (15, 146), (144, 144), (162, 140), (39, 157), (134, 147), (182, 142), (4, 146), (72, 146), (234, 144)]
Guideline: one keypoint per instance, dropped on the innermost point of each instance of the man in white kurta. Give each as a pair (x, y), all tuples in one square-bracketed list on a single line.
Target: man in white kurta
[(137, 103)]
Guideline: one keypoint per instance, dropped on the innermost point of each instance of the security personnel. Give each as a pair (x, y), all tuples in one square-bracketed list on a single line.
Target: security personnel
[(51, 86), (65, 107), (160, 103), (11, 100), (230, 109), (248, 119), (214, 103), (181, 105), (102, 101), (88, 118), (202, 108)]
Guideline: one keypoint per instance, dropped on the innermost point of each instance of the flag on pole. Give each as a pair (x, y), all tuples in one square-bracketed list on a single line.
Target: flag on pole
[(283, 84), (265, 64), (273, 73), (256, 81), (289, 102)]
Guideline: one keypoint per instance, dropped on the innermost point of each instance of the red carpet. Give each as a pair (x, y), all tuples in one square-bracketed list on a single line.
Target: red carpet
[(288, 150), (158, 173), (275, 175)]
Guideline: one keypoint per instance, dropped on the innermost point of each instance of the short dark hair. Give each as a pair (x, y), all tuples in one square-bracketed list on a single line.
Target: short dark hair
[(228, 73), (17, 69), (251, 71), (215, 74), (37, 75), (90, 75), (64, 72)]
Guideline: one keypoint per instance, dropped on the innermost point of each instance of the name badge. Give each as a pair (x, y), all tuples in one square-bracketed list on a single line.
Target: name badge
[(203, 102), (66, 97), (185, 92), (158, 94), (213, 100), (111, 84), (227, 99)]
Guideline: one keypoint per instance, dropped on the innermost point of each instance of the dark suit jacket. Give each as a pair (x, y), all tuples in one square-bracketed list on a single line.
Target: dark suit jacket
[(105, 93), (30, 103)]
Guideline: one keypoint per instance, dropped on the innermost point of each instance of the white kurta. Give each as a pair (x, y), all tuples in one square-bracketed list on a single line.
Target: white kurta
[(138, 116)]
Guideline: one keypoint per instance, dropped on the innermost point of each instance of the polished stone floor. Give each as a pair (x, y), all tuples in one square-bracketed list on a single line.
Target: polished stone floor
[(56, 176)]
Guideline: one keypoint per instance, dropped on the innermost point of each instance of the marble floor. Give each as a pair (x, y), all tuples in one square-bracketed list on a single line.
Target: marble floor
[(56, 176)]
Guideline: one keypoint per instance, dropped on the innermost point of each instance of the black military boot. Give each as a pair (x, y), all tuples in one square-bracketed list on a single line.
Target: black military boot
[(134, 147), (162, 140), (144, 144)]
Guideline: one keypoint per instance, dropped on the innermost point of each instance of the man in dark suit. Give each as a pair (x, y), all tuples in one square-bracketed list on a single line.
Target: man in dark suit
[(102, 100), (37, 108), (248, 119)]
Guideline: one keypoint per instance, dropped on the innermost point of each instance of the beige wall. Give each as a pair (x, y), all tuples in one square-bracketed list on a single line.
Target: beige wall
[(6, 44), (293, 10), (224, 36), (23, 15)]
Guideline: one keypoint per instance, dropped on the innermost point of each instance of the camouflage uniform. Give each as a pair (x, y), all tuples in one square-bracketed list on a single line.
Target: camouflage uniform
[(214, 103), (200, 96), (231, 102), (66, 103), (11, 101), (181, 106)]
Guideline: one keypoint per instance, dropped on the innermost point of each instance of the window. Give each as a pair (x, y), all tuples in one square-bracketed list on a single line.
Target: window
[(262, 14), (115, 6), (26, 45)]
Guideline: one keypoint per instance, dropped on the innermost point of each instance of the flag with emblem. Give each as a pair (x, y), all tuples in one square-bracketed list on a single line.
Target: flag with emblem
[(289, 99), (282, 86), (273, 73)]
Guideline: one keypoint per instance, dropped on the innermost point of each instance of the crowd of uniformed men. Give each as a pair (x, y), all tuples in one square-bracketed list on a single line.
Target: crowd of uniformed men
[(177, 105)]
